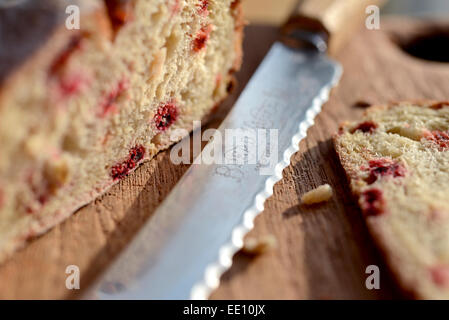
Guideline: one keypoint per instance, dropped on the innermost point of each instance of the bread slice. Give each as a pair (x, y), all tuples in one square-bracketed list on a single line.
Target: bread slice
[(397, 160), (80, 109)]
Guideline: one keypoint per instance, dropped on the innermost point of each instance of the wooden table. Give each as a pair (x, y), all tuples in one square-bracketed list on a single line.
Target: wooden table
[(323, 250)]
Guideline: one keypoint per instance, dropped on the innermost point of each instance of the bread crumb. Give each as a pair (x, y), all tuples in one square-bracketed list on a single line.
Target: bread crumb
[(320, 194), (256, 246)]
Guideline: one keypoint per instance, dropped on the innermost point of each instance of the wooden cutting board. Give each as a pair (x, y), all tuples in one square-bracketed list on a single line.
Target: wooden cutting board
[(322, 251)]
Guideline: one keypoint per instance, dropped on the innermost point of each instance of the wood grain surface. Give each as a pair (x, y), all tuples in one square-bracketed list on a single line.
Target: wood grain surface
[(323, 250)]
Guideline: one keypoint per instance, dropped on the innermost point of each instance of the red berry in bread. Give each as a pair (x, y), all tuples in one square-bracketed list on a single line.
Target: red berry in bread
[(372, 202), (384, 167), (366, 127), (201, 38), (166, 115), (439, 138), (122, 169)]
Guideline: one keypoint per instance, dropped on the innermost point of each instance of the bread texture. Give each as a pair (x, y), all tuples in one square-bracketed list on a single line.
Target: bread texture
[(397, 161), (81, 108)]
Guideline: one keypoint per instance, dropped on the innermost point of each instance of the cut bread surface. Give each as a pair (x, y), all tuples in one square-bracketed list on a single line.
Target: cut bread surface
[(88, 106), (397, 160)]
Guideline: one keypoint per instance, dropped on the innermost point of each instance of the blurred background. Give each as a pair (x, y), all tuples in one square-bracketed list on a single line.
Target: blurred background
[(276, 12)]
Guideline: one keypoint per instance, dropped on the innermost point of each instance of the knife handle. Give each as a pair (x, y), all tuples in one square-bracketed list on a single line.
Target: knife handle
[(328, 24)]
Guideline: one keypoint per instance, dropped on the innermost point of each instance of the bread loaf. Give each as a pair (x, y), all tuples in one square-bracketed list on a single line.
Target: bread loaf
[(82, 108)]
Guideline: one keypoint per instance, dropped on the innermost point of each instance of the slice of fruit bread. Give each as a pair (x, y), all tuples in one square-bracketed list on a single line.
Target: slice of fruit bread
[(80, 108), (397, 160)]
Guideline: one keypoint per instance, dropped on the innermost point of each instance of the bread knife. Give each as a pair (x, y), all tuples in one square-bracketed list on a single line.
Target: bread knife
[(189, 242)]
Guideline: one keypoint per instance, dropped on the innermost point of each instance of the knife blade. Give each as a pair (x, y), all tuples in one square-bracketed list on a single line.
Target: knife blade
[(188, 243)]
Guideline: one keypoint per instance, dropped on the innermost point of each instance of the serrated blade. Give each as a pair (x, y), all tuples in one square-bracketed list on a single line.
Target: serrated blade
[(189, 242)]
